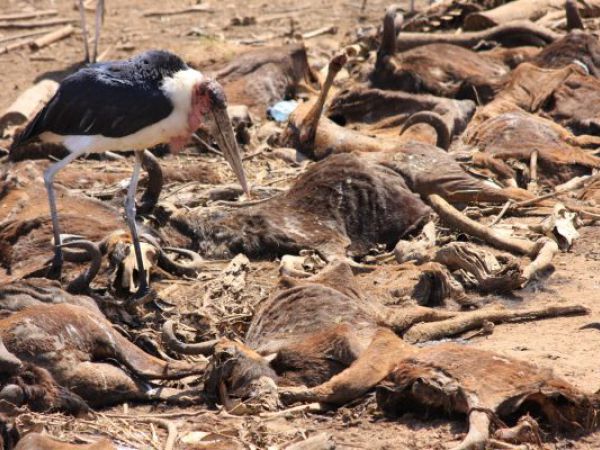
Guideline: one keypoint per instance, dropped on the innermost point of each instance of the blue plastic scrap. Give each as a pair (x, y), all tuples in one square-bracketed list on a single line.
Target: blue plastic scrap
[(280, 111)]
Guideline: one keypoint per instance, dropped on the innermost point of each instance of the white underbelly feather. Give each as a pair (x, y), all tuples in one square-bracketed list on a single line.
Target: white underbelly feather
[(161, 132)]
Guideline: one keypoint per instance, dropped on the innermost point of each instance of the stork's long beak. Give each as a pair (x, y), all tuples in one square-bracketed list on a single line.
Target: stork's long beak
[(224, 136)]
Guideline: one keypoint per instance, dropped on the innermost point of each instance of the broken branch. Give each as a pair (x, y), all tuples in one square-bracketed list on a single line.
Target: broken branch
[(35, 24), (29, 15), (52, 37), (174, 12)]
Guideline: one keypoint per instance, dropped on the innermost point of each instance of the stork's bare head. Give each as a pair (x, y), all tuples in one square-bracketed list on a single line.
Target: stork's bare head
[(209, 106)]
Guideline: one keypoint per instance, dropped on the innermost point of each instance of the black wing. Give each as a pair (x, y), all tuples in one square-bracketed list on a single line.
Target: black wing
[(102, 99)]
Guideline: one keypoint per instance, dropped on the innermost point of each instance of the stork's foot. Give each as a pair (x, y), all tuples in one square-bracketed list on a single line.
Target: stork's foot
[(55, 270), (143, 296)]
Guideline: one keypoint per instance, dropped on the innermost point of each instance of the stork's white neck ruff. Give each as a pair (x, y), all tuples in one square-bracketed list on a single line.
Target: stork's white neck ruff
[(178, 88)]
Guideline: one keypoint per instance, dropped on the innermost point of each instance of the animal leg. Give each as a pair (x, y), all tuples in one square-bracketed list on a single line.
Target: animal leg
[(101, 384), (145, 365), (402, 319), (130, 214), (372, 366), (49, 174), (479, 432), (86, 45)]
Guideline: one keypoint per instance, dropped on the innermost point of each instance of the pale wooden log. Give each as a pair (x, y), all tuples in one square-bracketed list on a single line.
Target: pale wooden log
[(173, 12), (331, 29), (29, 15), (14, 46), (525, 10), (431, 331), (27, 34), (34, 24), (52, 37), (28, 103)]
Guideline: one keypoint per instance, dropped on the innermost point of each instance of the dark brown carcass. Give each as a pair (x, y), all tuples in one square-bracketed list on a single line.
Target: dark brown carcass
[(342, 204), (441, 69), (320, 339), (74, 345), (39, 441), (516, 136), (260, 78)]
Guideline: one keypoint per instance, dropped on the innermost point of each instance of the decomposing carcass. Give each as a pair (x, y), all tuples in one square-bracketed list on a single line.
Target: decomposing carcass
[(73, 346), (320, 339), (519, 137), (93, 226), (39, 441), (260, 78), (340, 204), (441, 69)]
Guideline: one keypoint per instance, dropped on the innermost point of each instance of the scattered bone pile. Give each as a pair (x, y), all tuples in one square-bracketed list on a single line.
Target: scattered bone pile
[(427, 177)]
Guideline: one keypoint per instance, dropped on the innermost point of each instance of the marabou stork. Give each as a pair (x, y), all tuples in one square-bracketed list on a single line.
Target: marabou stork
[(150, 99)]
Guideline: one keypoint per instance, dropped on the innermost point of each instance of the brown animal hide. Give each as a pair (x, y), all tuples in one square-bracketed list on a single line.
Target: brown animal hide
[(36, 388), (440, 69), (319, 137), (324, 340), (26, 229), (575, 104), (516, 136), (260, 78), (332, 326), (343, 204), (566, 95), (38, 441), (458, 379), (75, 345), (377, 111), (576, 47), (22, 294)]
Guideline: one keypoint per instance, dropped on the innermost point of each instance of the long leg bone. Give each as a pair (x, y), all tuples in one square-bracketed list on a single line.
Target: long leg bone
[(424, 332), (479, 432)]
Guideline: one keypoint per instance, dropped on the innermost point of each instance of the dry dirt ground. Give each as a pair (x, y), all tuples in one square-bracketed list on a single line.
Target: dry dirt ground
[(559, 343)]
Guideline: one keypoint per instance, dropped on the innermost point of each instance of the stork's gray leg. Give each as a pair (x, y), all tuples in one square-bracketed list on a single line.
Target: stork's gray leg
[(86, 45), (49, 174), (130, 214), (99, 22)]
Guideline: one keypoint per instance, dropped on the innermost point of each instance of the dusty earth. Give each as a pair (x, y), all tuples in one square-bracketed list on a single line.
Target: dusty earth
[(207, 38)]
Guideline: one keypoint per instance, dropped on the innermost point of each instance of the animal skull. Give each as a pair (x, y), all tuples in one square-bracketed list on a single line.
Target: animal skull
[(129, 265)]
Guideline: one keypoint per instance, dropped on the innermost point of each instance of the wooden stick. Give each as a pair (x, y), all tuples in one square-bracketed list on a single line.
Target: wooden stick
[(29, 15), (430, 331), (331, 29), (173, 12), (28, 34), (52, 37), (14, 46), (35, 24), (457, 220)]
